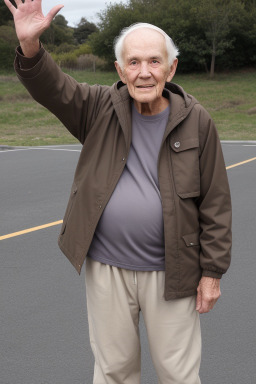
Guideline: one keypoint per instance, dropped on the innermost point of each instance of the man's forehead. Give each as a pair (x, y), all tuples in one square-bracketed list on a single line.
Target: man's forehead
[(144, 34), (145, 40)]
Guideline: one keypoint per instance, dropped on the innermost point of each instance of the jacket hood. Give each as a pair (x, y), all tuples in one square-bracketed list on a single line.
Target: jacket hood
[(176, 89)]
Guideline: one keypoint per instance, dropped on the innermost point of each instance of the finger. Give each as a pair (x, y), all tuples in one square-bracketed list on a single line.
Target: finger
[(207, 305), (204, 308), (198, 300), (53, 12), (10, 6), (18, 2)]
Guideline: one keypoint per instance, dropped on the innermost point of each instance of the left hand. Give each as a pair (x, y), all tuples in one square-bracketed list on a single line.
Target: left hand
[(208, 292)]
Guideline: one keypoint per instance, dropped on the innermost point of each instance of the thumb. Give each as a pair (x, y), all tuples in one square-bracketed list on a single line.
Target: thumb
[(198, 299), (53, 12)]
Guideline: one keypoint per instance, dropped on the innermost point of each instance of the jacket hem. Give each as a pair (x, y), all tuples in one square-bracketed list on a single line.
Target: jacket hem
[(180, 295), (69, 256)]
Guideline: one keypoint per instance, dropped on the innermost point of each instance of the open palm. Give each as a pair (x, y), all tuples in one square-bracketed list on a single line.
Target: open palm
[(29, 20)]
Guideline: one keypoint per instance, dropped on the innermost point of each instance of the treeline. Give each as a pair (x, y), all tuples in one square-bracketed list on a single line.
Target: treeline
[(210, 34)]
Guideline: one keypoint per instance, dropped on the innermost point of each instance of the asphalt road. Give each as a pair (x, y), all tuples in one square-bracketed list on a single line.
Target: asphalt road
[(43, 320)]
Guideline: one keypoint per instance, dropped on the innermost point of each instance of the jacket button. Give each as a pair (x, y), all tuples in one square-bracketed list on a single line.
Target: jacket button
[(177, 144)]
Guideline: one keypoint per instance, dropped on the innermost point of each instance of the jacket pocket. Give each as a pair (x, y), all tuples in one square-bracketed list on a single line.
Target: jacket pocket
[(191, 239), (185, 165), (69, 207)]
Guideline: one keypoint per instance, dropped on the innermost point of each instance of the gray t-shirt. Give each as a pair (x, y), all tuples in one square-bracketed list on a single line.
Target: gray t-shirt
[(130, 232)]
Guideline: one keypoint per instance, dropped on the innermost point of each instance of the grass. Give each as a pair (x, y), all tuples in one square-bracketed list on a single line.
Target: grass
[(229, 98)]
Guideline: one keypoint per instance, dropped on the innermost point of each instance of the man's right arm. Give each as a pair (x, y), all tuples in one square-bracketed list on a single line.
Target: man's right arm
[(73, 103)]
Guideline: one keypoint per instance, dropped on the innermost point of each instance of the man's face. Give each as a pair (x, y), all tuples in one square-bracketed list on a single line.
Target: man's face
[(146, 69)]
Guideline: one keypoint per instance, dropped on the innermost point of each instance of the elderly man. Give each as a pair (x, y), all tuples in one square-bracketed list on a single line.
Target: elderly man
[(150, 204)]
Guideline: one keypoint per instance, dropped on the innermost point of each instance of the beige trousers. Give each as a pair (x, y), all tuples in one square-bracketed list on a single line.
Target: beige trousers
[(115, 298)]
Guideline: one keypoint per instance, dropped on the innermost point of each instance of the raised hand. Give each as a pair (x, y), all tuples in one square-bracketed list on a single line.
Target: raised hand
[(30, 23)]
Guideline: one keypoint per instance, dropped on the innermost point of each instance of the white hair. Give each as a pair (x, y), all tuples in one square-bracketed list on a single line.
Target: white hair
[(172, 50)]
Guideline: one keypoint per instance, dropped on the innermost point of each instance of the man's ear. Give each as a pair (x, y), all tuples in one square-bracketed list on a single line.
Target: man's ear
[(172, 70), (120, 72)]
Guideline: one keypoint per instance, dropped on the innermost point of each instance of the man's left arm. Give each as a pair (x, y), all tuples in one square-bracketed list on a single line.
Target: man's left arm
[(214, 207)]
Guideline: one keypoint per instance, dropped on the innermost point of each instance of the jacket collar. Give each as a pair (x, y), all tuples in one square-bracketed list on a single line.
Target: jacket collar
[(181, 104), (122, 104)]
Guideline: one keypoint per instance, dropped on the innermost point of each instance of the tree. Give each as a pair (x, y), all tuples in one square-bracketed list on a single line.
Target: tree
[(5, 14), (8, 43), (83, 30), (246, 36), (179, 21), (112, 20), (116, 17), (60, 21), (58, 32), (216, 17)]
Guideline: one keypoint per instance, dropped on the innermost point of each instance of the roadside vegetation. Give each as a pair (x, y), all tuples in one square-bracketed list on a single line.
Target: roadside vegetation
[(230, 99)]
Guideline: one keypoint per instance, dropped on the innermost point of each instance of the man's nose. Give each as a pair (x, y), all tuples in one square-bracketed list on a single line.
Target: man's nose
[(144, 70)]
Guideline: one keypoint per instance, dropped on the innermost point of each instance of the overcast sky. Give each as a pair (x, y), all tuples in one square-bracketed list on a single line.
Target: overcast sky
[(75, 9)]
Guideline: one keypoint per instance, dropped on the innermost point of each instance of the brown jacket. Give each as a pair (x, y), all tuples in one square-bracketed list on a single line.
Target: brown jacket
[(192, 175)]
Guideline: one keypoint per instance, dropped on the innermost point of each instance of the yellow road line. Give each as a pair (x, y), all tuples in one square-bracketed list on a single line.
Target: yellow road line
[(242, 162), (31, 230), (25, 231)]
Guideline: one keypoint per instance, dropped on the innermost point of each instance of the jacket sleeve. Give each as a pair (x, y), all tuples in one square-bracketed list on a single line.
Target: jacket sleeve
[(74, 104), (214, 203)]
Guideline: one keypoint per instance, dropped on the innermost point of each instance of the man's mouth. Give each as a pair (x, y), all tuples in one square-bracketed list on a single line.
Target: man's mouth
[(145, 86)]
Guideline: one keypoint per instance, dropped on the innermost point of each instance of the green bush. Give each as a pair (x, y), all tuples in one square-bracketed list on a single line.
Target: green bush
[(64, 47), (83, 49), (7, 55), (66, 59), (8, 44), (70, 59)]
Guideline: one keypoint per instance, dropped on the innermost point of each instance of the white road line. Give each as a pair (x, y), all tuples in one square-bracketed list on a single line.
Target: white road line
[(58, 149), (56, 146), (46, 149), (14, 150)]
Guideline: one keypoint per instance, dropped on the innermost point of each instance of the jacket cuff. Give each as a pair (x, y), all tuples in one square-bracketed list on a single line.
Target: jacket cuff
[(24, 63), (212, 274), (28, 68)]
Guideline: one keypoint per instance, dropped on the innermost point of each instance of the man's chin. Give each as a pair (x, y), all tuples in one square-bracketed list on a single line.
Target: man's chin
[(146, 98)]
